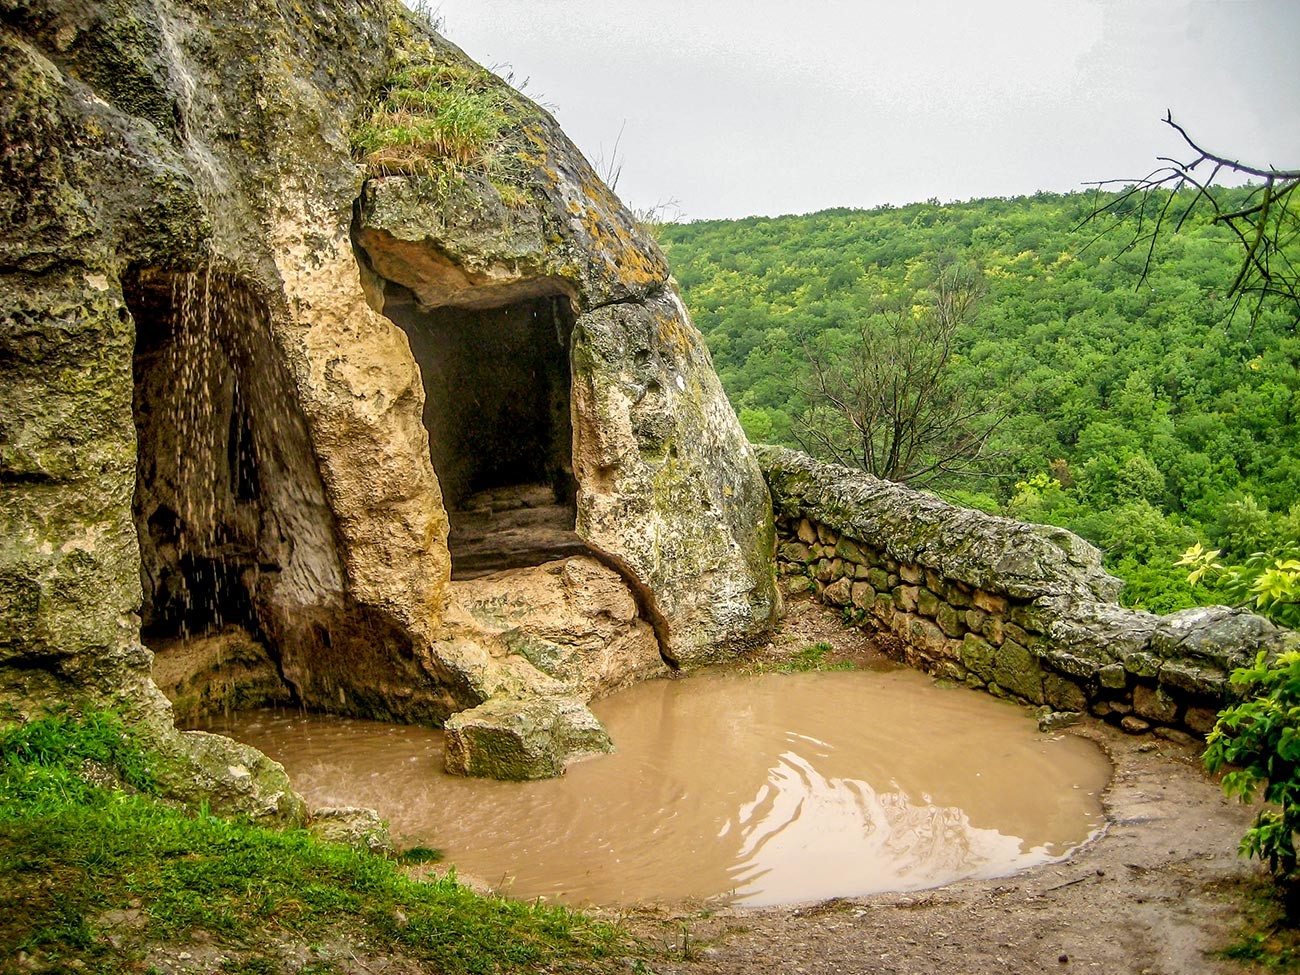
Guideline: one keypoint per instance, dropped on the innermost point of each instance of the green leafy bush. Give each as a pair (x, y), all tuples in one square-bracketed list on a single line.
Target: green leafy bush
[(1260, 738), (1267, 582)]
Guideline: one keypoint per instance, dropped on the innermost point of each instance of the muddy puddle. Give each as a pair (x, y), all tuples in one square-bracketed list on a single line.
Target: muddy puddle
[(755, 790)]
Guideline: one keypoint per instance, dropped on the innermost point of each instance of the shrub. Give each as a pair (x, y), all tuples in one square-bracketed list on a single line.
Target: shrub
[(1260, 737), (1267, 582)]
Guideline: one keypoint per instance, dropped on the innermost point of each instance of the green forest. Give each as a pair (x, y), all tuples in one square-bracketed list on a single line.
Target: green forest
[(1138, 411)]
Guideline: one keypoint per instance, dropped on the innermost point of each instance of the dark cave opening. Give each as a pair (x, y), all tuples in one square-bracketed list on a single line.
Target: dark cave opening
[(207, 409), (198, 488), (497, 410)]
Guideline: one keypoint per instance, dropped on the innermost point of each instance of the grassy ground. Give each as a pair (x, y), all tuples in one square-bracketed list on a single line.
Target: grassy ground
[(1266, 939), (98, 874)]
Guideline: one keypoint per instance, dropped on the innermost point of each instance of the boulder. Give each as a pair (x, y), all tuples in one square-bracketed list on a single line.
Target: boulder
[(522, 738)]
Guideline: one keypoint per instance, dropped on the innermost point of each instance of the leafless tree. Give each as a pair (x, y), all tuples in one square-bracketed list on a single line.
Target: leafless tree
[(887, 403), (1266, 223)]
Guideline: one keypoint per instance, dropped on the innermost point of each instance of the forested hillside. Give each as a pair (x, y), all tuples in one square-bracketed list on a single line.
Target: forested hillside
[(1142, 416)]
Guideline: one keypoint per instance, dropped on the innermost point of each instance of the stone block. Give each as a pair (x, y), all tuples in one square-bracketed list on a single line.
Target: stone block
[(1113, 677), (879, 580), (798, 584), (795, 552), (992, 630), (989, 602), (951, 670), (933, 580), (1205, 681), (883, 608), (1080, 667), (862, 572), (1154, 703), (925, 635), (1050, 720), (806, 532), (958, 595), (900, 625), (927, 603), (352, 826), (826, 535), (837, 568), (1013, 631), (977, 654), (975, 619), (1106, 709), (1200, 720), (950, 620), (849, 550), (839, 592), (905, 598), (862, 595), (1017, 670), (911, 574), (521, 738), (823, 572), (1134, 725), (1062, 693)]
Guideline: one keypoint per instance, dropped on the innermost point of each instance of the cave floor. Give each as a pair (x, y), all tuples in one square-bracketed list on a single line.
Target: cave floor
[(510, 528)]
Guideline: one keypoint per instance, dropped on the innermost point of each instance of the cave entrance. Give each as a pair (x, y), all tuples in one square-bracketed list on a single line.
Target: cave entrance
[(207, 407), (497, 410)]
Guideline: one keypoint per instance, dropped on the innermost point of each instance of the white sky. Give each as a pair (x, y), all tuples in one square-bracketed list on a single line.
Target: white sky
[(762, 107)]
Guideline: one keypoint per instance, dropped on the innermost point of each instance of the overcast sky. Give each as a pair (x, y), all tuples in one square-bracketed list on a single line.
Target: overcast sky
[(762, 107)]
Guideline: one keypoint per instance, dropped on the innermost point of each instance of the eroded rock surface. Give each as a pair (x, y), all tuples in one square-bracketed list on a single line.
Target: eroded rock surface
[(667, 488), (217, 409), (575, 620)]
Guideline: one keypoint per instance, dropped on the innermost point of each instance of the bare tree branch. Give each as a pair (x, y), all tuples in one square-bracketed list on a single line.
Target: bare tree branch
[(886, 402), (1264, 227)]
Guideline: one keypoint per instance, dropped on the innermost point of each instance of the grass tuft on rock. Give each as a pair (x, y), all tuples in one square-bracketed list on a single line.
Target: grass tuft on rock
[(440, 117), (97, 870)]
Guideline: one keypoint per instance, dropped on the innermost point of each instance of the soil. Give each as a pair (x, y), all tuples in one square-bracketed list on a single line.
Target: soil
[(1158, 892)]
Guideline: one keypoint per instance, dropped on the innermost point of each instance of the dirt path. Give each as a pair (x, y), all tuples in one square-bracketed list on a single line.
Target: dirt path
[(1154, 894)]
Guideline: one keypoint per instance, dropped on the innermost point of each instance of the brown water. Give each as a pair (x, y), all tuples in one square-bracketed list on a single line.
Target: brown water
[(758, 790)]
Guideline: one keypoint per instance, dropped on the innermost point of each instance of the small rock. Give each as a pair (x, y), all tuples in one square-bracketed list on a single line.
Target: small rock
[(1133, 724), (353, 826), (1054, 720), (1063, 958)]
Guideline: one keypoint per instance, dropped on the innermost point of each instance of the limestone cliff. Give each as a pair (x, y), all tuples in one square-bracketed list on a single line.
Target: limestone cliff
[(247, 376)]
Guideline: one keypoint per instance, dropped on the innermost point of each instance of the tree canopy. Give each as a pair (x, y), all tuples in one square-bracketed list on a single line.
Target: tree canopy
[(1143, 413)]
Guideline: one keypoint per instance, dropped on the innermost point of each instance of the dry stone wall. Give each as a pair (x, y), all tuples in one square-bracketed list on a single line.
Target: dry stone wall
[(1023, 611)]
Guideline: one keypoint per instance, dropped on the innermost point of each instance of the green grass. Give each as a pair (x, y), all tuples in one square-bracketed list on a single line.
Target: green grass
[(72, 850), (439, 117), (813, 657), (1265, 939)]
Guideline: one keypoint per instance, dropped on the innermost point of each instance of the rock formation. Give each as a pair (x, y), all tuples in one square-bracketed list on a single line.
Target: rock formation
[(254, 376)]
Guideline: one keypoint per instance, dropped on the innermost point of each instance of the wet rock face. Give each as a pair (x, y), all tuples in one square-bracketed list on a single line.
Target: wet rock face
[(574, 620), (166, 192), (667, 488)]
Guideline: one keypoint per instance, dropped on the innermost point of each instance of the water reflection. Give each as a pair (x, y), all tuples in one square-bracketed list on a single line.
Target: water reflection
[(762, 790)]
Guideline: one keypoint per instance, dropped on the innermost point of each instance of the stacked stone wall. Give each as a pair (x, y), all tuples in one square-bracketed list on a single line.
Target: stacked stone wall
[(1022, 611)]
